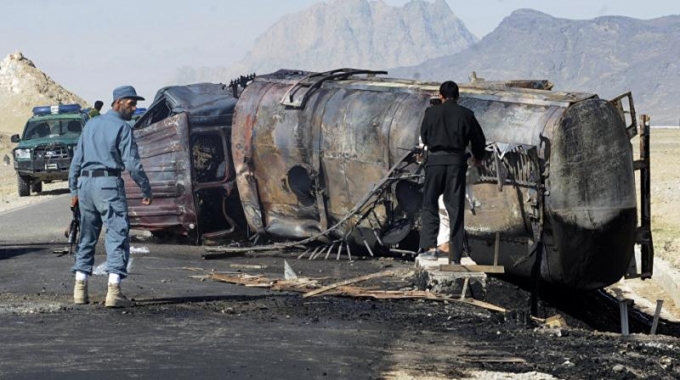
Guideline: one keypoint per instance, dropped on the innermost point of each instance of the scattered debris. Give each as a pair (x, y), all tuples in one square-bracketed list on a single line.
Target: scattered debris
[(134, 249), (351, 281), (288, 272), (247, 266)]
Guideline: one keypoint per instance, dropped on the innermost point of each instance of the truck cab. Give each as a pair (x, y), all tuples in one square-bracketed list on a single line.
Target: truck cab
[(45, 147)]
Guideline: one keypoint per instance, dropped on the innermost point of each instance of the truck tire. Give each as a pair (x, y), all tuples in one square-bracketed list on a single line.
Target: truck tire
[(36, 187), (23, 185)]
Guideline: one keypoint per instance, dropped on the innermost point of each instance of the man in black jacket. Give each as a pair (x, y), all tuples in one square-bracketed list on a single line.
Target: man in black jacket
[(447, 130)]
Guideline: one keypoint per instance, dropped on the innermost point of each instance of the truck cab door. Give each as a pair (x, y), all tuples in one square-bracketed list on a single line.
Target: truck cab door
[(164, 151)]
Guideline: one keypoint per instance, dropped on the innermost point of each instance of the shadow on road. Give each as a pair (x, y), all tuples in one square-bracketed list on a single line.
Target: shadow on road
[(198, 299), (54, 191), (14, 250)]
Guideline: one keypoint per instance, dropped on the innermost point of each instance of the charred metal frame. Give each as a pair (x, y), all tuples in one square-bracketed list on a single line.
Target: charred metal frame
[(380, 193), (313, 81), (644, 230), (643, 235)]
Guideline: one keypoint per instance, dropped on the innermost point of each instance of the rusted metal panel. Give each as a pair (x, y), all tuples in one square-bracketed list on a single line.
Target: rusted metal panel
[(166, 160), (184, 139), (300, 167)]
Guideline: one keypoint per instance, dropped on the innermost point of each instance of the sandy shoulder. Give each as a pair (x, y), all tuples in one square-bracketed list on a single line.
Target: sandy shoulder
[(9, 196)]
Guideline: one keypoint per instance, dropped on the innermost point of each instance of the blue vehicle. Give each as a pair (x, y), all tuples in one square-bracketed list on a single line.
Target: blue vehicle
[(138, 113), (45, 147)]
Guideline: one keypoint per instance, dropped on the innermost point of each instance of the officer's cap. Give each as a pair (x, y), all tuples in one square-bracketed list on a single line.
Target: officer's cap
[(125, 92)]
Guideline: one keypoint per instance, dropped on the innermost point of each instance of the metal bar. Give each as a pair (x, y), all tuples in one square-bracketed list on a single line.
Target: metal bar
[(377, 238), (657, 313), (645, 232), (368, 247), (314, 256), (363, 237), (329, 251), (496, 248), (623, 311), (313, 252), (497, 162), (303, 254)]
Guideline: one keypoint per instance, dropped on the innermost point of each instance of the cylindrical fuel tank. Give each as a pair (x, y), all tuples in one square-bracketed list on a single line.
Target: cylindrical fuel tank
[(308, 147)]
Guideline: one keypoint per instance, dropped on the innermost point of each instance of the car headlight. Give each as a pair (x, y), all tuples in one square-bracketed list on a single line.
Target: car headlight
[(22, 154)]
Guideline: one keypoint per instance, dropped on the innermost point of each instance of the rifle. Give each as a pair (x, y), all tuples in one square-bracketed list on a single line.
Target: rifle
[(74, 228)]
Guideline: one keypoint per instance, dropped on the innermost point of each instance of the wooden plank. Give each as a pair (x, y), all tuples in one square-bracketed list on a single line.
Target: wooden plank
[(349, 281), (240, 280), (485, 305), (391, 294), (472, 268)]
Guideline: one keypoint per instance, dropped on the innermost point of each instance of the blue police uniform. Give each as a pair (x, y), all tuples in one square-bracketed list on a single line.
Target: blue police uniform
[(106, 147)]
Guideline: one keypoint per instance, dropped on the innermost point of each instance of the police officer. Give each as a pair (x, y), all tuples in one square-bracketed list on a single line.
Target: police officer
[(447, 129), (95, 111), (106, 148)]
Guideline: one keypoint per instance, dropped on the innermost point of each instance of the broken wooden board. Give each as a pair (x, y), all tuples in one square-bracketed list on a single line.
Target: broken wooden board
[(389, 294), (472, 268), (351, 281), (240, 279), (342, 288)]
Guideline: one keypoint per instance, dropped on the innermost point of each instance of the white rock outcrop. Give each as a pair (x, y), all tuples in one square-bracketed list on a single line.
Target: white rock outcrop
[(24, 86)]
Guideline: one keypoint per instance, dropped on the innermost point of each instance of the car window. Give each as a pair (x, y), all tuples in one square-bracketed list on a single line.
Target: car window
[(53, 128)]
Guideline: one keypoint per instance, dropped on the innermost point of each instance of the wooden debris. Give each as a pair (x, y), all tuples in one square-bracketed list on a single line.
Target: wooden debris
[(350, 281), (390, 294), (247, 266), (240, 280), (484, 305), (472, 268), (342, 288), (555, 321)]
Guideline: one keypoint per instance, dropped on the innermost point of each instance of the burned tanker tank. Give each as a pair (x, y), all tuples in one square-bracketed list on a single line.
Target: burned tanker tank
[(330, 157)]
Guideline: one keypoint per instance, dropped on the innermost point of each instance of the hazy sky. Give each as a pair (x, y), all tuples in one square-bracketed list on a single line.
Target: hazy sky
[(92, 46)]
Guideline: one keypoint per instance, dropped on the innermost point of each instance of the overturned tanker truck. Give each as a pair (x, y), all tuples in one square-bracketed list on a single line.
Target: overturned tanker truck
[(331, 161)]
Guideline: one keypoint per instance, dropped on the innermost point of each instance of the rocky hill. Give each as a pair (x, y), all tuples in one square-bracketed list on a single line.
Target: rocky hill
[(349, 33), (606, 55), (22, 87)]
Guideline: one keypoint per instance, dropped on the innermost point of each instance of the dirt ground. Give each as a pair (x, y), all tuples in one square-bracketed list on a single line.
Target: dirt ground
[(665, 184)]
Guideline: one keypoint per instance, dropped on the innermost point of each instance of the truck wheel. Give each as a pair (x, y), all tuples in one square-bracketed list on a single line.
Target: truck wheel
[(24, 185), (36, 187)]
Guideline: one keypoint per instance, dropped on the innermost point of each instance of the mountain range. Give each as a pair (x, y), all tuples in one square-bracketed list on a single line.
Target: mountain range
[(607, 55), (425, 40), (348, 33)]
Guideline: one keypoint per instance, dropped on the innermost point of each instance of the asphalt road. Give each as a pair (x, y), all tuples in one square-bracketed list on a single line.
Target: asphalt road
[(43, 222), (181, 327), (184, 327)]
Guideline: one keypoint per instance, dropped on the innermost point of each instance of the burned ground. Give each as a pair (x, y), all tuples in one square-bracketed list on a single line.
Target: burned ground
[(184, 325)]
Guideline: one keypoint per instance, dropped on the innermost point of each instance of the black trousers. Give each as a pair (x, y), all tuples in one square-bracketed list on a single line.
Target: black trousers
[(450, 181)]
